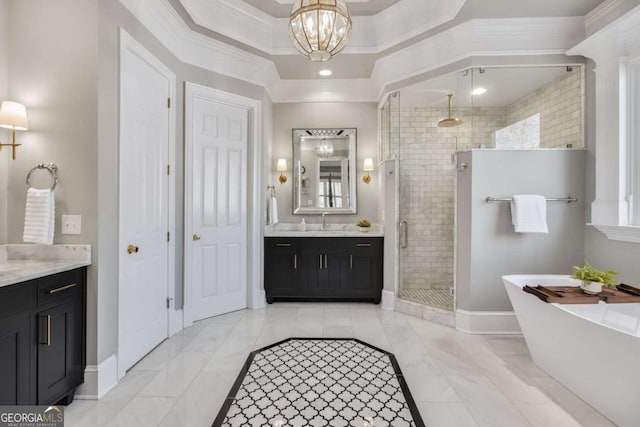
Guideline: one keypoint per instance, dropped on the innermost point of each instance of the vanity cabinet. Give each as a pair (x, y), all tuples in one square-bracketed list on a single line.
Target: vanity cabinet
[(323, 269), (42, 339)]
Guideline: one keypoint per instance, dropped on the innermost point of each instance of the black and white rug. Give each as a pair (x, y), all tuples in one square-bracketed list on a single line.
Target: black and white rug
[(320, 382)]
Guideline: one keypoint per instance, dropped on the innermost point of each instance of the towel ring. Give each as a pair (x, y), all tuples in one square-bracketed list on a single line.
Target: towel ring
[(51, 167)]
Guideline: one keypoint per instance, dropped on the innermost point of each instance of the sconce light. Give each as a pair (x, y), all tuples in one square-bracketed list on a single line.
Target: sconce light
[(368, 166), (13, 116), (282, 166)]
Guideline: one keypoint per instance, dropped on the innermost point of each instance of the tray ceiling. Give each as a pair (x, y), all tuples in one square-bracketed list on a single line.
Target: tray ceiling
[(282, 8)]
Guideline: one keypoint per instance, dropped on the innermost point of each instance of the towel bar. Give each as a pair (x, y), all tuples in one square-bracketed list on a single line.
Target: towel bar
[(51, 167), (490, 199)]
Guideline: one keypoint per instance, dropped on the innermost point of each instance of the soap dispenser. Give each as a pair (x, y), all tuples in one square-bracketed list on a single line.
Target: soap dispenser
[(303, 225)]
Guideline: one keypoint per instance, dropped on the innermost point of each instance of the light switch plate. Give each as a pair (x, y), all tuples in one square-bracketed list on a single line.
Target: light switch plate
[(71, 224)]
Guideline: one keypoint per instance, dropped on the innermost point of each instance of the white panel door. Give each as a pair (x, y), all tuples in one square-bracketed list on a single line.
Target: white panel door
[(219, 207), (143, 249)]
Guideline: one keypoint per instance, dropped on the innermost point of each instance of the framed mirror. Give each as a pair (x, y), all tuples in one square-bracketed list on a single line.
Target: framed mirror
[(324, 165)]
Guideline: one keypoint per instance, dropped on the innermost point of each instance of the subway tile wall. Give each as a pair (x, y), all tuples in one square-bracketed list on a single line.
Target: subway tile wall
[(560, 106), (427, 179)]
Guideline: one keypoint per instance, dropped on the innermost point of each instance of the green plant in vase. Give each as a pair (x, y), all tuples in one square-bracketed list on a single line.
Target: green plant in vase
[(593, 279), (364, 225)]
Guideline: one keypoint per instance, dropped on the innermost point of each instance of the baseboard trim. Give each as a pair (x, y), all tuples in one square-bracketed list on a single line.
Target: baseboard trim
[(98, 380), (487, 322), (388, 300), (176, 322), (260, 300)]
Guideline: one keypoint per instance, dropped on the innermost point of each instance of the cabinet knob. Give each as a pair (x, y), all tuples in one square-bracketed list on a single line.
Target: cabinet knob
[(131, 249), (196, 237)]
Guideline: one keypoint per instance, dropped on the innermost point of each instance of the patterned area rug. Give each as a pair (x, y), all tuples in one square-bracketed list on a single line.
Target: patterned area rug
[(320, 382)]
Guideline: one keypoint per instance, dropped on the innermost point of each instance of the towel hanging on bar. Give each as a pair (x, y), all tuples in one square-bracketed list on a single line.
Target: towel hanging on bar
[(529, 213), (39, 216)]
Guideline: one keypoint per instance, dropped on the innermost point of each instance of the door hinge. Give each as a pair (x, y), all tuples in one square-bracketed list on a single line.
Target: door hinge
[(168, 236), (168, 169), (169, 302), (168, 102), (452, 292)]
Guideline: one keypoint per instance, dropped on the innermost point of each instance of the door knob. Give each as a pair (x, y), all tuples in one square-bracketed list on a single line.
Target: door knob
[(196, 237), (132, 249)]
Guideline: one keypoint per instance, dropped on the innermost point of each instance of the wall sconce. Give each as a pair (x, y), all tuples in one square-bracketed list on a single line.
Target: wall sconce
[(368, 166), (13, 116), (282, 166)]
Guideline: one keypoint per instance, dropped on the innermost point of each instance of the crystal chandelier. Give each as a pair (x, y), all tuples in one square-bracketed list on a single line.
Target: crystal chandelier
[(324, 149), (319, 29)]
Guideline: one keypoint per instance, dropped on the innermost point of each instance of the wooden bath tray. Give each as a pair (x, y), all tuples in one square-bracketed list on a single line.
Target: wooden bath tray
[(575, 295)]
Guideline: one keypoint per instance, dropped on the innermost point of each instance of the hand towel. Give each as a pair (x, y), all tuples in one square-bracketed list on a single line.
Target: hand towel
[(272, 210), (529, 213), (39, 217)]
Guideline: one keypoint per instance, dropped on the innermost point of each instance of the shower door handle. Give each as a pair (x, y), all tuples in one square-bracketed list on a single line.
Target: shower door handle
[(403, 234)]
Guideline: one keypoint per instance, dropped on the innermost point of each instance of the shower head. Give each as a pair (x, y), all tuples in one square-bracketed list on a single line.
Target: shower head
[(450, 121)]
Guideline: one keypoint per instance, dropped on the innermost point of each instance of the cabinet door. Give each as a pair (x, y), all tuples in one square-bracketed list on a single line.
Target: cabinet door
[(59, 351), (336, 268), (311, 276), (365, 268), (281, 268), (15, 359)]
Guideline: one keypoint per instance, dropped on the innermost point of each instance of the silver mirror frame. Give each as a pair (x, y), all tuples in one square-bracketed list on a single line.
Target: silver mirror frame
[(297, 134)]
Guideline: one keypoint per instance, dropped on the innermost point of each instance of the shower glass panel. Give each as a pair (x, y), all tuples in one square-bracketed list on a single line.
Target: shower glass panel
[(491, 108), (389, 144), (430, 134)]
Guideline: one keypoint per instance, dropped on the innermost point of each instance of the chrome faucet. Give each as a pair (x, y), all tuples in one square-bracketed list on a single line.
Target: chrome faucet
[(324, 220)]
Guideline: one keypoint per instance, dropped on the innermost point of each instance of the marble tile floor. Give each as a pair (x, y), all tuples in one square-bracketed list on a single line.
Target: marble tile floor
[(457, 380)]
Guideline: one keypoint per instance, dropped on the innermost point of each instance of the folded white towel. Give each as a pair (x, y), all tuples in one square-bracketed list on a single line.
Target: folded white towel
[(529, 213), (272, 210), (39, 217)]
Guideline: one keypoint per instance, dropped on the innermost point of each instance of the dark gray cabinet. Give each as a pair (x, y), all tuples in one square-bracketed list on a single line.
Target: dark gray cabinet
[(42, 339), (323, 268)]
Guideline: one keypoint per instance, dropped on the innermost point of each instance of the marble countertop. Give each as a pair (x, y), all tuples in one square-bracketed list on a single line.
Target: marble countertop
[(19, 263), (315, 230)]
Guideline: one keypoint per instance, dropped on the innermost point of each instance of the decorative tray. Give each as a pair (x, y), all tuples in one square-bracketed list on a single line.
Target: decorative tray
[(575, 295)]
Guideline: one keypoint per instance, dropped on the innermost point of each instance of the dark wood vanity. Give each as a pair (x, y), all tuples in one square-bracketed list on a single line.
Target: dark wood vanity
[(42, 339), (323, 268)]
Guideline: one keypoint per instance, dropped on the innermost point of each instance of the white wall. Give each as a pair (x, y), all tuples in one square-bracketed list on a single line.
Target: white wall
[(599, 251), (4, 134), (487, 245), (360, 115), (53, 56)]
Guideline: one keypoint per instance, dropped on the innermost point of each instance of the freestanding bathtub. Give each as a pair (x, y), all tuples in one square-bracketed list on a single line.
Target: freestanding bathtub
[(592, 349)]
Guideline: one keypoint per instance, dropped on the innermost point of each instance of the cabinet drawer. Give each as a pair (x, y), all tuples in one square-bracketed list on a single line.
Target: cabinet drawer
[(58, 287), (16, 298)]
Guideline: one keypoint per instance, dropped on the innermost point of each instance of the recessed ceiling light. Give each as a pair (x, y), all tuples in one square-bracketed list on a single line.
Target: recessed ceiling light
[(478, 91), (325, 73)]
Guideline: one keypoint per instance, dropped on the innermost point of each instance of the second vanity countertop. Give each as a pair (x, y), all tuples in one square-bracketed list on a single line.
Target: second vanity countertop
[(19, 263), (315, 230)]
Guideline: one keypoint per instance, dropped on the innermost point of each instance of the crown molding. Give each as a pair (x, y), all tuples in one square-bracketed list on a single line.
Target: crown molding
[(480, 37), (619, 38), (193, 48), (410, 18), (235, 19), (601, 11), (370, 35), (484, 37)]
